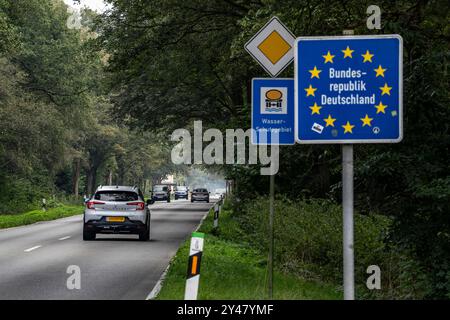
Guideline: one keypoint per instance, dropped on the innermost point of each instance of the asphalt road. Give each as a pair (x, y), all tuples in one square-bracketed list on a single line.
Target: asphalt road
[(34, 259)]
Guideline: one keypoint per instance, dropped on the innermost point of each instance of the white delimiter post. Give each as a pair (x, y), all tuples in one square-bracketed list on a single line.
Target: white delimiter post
[(216, 215), (193, 272), (347, 204)]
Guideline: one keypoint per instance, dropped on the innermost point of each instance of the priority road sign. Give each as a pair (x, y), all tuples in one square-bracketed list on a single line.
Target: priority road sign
[(273, 111), (348, 89), (272, 47)]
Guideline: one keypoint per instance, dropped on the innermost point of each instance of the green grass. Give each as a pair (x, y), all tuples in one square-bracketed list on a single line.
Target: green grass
[(233, 270), (14, 220)]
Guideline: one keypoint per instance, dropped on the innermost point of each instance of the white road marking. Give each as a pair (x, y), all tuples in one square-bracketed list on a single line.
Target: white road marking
[(32, 248), (64, 238)]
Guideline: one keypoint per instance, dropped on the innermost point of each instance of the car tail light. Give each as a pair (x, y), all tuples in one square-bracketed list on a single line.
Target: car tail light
[(90, 204), (139, 205)]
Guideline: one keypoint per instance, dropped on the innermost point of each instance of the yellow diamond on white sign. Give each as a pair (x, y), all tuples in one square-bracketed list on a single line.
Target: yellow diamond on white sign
[(272, 47)]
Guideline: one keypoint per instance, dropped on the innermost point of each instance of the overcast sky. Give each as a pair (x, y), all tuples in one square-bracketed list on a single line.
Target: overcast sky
[(97, 5)]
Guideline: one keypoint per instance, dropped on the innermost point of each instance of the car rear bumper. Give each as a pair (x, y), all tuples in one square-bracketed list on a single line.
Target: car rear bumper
[(181, 195), (200, 198), (93, 215), (160, 198), (126, 227)]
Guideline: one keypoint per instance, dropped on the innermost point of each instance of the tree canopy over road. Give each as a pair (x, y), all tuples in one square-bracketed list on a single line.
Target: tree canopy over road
[(176, 61), (57, 134)]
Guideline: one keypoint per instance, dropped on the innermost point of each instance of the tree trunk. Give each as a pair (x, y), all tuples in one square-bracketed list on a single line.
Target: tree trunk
[(110, 178), (91, 180), (76, 177)]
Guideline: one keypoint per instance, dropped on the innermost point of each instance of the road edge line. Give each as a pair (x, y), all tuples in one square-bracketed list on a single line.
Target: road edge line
[(158, 286)]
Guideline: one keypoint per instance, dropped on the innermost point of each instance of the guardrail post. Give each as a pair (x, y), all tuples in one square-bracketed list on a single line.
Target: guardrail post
[(216, 215)]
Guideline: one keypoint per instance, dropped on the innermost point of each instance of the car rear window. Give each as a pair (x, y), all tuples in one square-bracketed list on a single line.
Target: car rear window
[(200, 190), (160, 188), (116, 196), (181, 188)]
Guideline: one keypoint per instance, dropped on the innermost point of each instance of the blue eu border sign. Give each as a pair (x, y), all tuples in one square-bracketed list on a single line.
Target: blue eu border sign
[(273, 110), (349, 89)]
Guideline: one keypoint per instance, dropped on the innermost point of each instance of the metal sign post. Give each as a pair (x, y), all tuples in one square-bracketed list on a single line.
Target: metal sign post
[(271, 233), (347, 205), (272, 101), (348, 90), (347, 217)]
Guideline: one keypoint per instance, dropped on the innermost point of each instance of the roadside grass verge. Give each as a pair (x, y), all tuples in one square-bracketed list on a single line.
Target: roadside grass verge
[(15, 220), (231, 269)]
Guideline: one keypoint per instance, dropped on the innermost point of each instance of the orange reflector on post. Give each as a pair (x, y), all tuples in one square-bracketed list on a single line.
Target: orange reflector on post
[(194, 265)]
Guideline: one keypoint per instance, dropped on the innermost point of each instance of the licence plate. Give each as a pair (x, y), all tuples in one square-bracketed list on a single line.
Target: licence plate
[(115, 219)]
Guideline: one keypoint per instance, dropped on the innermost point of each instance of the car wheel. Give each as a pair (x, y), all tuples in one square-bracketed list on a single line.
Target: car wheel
[(144, 236), (192, 200), (88, 235)]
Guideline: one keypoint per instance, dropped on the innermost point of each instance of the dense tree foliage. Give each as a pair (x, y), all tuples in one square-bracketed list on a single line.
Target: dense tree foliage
[(82, 107), (175, 61), (57, 134)]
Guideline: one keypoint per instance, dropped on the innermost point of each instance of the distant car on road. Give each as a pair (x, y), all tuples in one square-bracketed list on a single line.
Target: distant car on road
[(217, 194), (117, 210), (181, 192), (200, 194), (161, 192)]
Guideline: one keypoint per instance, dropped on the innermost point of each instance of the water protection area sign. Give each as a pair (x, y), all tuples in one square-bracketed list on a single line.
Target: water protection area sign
[(273, 111)]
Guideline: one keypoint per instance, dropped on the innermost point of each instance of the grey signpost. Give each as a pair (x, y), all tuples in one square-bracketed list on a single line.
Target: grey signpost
[(272, 47), (347, 208), (271, 237), (371, 113)]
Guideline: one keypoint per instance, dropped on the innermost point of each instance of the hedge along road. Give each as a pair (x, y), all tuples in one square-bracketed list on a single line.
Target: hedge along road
[(34, 259)]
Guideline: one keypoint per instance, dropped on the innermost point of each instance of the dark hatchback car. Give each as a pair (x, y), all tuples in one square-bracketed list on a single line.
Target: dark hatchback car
[(200, 194), (181, 192)]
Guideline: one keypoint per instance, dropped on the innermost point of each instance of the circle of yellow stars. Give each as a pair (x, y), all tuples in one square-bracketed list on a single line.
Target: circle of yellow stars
[(379, 72)]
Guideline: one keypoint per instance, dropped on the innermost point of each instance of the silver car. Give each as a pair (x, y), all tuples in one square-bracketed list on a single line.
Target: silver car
[(200, 194), (117, 210), (161, 193)]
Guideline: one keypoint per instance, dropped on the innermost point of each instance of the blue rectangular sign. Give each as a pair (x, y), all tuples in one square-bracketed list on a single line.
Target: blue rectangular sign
[(273, 111), (349, 89)]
